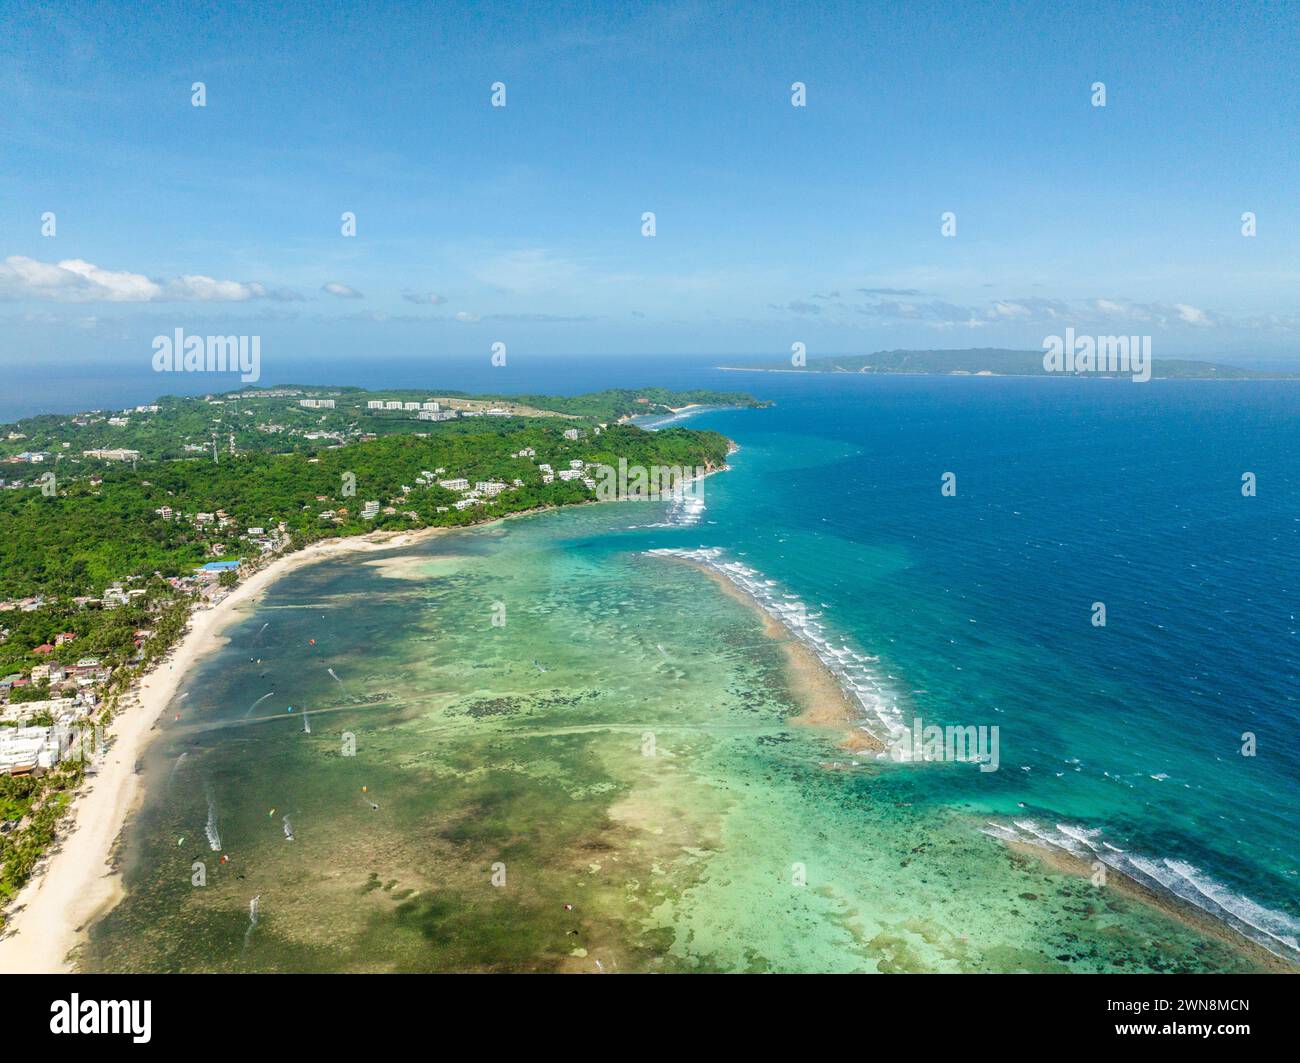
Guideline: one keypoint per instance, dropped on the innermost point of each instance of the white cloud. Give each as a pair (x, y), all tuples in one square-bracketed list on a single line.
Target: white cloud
[(207, 289), (1192, 315), (75, 280), (1004, 309), (341, 290)]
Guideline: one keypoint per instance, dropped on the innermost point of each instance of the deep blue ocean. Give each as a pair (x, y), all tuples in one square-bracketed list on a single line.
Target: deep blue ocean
[(1123, 742)]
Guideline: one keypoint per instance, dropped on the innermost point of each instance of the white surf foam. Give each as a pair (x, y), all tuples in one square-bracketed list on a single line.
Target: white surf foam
[(863, 686), (1274, 930), (210, 829)]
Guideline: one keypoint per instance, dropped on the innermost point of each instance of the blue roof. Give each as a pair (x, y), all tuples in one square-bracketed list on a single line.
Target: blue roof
[(219, 566)]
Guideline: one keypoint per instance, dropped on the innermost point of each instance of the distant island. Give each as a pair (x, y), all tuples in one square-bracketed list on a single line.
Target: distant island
[(996, 361), (115, 525)]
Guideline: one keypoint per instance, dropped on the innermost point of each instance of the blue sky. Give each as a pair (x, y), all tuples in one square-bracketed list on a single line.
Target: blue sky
[(523, 224)]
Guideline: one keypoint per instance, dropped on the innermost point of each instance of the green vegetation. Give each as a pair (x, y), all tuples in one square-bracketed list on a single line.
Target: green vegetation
[(624, 402), (271, 420), (102, 563), (102, 529), (105, 633), (33, 692), (38, 804)]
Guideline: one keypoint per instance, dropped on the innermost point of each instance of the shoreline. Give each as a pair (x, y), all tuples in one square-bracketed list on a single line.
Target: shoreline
[(1175, 908), (79, 881), (76, 882), (832, 709), (662, 420), (823, 700)]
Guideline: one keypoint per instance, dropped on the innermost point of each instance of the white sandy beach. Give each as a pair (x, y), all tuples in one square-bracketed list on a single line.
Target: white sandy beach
[(76, 884)]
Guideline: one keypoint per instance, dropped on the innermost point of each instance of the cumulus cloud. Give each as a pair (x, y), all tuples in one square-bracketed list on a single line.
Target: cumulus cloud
[(75, 280), (1011, 310), (1159, 315), (341, 290), (1028, 309), (199, 288), (1192, 315)]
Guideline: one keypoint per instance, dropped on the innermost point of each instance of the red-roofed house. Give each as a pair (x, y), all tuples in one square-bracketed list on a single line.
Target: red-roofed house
[(44, 647)]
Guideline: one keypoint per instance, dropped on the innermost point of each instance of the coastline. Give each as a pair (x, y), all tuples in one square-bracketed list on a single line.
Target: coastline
[(652, 422), (826, 705), (76, 883), (1176, 909), (823, 701)]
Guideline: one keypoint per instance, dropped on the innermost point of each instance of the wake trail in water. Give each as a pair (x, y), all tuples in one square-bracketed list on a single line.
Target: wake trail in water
[(176, 767), (257, 703), (252, 918), (210, 829)]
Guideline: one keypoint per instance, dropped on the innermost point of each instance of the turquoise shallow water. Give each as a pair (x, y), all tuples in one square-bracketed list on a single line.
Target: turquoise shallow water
[(1069, 493), (622, 745)]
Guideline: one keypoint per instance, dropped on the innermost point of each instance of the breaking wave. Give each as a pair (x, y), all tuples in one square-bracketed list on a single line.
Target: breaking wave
[(851, 668), (1274, 930)]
